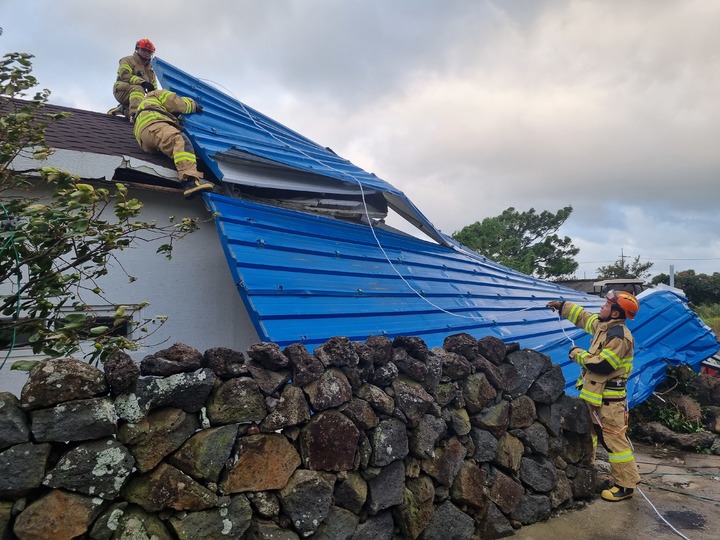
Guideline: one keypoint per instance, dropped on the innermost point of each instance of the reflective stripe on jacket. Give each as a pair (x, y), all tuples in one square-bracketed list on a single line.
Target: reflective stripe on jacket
[(162, 106), (609, 358)]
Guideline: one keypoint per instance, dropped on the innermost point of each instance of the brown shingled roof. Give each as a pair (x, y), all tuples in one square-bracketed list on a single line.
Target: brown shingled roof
[(100, 133)]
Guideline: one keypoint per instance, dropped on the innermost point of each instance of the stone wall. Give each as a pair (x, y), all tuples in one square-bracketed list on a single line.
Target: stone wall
[(376, 440)]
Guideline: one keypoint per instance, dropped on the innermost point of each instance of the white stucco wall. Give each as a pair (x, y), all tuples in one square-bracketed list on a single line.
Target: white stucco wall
[(195, 289)]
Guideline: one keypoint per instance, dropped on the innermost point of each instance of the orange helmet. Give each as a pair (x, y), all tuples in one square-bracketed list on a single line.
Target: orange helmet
[(626, 301), (145, 43)]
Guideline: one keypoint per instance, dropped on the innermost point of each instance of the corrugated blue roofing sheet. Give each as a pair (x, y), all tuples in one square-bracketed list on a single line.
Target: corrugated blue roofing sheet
[(306, 278)]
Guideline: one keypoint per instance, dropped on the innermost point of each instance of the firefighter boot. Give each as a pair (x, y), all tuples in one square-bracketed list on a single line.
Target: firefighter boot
[(617, 493), (117, 111), (192, 186)]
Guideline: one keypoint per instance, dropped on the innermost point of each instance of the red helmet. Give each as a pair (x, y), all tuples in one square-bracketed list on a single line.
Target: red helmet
[(626, 301), (145, 43)]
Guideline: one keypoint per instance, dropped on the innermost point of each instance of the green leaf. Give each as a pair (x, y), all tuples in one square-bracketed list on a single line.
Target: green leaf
[(24, 365)]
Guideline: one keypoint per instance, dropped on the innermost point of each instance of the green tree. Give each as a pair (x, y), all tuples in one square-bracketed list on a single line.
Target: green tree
[(55, 249), (624, 267), (700, 289), (525, 241)]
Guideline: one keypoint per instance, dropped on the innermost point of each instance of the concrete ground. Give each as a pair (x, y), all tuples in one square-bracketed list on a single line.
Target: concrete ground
[(683, 487)]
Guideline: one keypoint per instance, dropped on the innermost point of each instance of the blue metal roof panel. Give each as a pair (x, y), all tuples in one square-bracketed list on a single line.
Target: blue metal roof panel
[(228, 124), (306, 278)]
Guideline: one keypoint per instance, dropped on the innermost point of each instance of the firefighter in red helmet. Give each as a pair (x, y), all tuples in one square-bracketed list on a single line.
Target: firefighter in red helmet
[(135, 77), (606, 366)]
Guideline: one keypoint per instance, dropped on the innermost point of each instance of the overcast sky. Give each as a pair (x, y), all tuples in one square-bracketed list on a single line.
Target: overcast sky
[(468, 106)]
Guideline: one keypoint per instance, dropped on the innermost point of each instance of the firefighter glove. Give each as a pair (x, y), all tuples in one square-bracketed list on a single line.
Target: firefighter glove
[(147, 86), (198, 108), (555, 305), (574, 351)]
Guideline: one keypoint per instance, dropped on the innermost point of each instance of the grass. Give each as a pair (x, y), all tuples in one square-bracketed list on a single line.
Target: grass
[(710, 314)]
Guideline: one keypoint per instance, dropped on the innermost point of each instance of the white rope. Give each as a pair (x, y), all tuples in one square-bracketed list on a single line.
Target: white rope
[(367, 215), (660, 515)]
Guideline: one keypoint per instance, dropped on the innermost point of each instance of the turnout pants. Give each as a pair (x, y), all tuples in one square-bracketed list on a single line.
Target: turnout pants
[(129, 96), (610, 421), (166, 138)]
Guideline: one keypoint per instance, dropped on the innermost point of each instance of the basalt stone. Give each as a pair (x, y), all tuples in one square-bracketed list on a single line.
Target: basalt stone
[(583, 483), (446, 463), (57, 514), (306, 499), (179, 358), (409, 366), (548, 386), (97, 468), (55, 381), (360, 412), (121, 373), (494, 374), (477, 392), (486, 445), (79, 420), (376, 527), (268, 355), (204, 455), (449, 521), (329, 442), (351, 492), (454, 366), (268, 381), (411, 398), (186, 391), (458, 420), (340, 524), (292, 409), (337, 351), (262, 462), (377, 398), (574, 415), (531, 509), (529, 364), (332, 389), (416, 509), (495, 524), (538, 473), (492, 348), (382, 349), (225, 363), (13, 424), (386, 489), (161, 432), (23, 468), (536, 439), (236, 401), (447, 392), (389, 442), (495, 418), (137, 523), (384, 375), (462, 344), (265, 504), (522, 412), (167, 487), (505, 492), (426, 436), (469, 486), (305, 366), (230, 521), (414, 346), (562, 492), (509, 453)]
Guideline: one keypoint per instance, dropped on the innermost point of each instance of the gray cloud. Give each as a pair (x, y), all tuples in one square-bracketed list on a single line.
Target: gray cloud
[(468, 106)]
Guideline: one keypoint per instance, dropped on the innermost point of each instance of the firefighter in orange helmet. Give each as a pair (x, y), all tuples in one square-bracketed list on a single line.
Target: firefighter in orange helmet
[(135, 77), (157, 128), (606, 366)]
